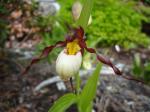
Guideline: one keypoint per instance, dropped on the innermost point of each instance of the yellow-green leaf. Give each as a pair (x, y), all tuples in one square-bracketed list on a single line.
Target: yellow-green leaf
[(63, 103), (89, 90)]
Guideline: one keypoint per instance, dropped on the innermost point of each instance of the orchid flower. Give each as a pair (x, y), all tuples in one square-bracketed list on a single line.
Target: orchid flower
[(69, 60)]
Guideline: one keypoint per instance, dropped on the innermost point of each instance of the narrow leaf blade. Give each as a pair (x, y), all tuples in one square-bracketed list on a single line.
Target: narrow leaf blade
[(89, 90), (63, 103), (85, 13)]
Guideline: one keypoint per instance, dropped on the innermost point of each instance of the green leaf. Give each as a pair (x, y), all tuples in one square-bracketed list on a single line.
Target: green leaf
[(137, 69), (85, 13), (89, 107), (63, 103), (89, 90)]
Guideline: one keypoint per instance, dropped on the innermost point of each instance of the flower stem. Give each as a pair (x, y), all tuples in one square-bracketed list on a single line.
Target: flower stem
[(78, 80)]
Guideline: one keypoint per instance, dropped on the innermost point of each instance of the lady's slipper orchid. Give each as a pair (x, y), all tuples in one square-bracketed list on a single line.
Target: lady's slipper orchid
[(69, 60)]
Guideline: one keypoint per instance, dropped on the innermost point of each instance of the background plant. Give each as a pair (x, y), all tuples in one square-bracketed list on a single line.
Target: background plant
[(3, 22), (111, 26), (3, 32), (141, 70)]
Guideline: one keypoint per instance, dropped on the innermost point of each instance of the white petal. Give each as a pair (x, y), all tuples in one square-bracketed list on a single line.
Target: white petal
[(68, 65)]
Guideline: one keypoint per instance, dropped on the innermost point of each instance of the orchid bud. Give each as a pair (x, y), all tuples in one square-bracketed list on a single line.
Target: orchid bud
[(68, 65), (76, 11)]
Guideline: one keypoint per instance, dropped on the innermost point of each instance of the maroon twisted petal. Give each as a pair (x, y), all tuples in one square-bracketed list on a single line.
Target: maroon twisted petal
[(104, 60), (132, 78), (108, 62), (44, 53)]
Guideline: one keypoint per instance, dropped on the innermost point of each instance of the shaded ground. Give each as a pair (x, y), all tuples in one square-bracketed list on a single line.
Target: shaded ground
[(119, 95), (17, 92)]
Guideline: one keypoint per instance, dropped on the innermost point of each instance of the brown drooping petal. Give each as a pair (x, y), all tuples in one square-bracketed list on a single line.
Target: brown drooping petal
[(100, 58), (104, 60), (83, 45), (35, 60), (48, 49), (132, 78), (44, 53), (79, 33), (109, 63), (91, 50)]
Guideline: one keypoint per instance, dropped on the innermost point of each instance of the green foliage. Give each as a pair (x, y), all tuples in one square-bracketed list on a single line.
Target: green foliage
[(3, 32), (88, 93), (63, 103), (3, 9), (146, 11), (141, 70), (114, 25), (45, 23), (65, 11), (3, 23), (83, 100), (114, 22)]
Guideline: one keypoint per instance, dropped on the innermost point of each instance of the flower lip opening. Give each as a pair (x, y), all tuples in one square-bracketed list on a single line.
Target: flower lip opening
[(72, 47)]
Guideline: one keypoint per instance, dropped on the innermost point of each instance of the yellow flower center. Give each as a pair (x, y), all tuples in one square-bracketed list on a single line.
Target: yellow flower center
[(73, 47)]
